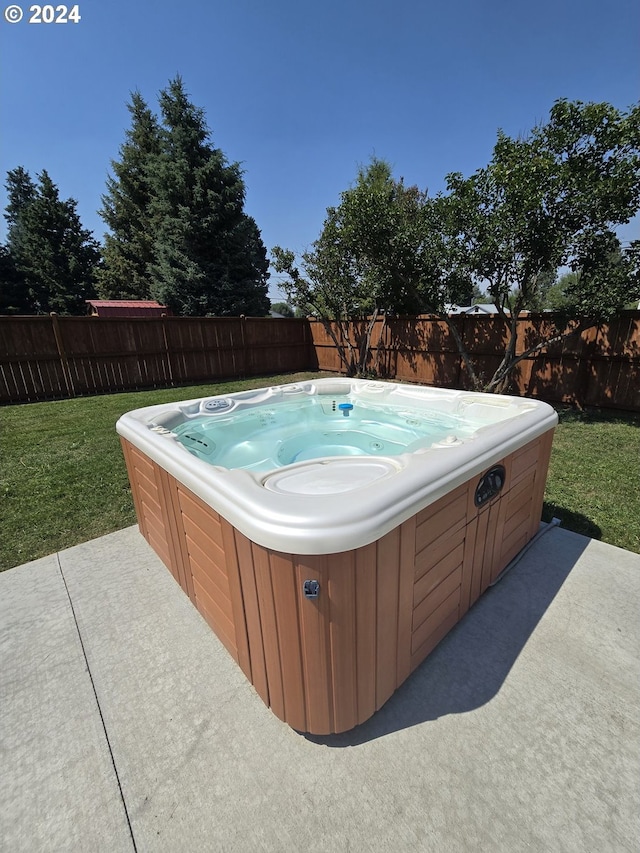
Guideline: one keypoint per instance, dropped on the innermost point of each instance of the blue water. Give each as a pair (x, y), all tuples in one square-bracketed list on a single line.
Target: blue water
[(268, 437)]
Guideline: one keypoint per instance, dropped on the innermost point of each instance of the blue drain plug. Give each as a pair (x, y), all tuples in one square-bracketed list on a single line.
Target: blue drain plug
[(345, 408)]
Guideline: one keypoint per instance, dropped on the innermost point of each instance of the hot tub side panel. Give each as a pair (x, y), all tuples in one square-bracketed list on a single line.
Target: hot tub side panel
[(152, 492), (195, 544), (327, 664)]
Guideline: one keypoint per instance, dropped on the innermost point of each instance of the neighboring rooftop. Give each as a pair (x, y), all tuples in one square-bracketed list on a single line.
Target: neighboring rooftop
[(480, 308), (126, 308)]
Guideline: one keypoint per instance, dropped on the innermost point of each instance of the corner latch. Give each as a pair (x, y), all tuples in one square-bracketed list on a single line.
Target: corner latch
[(311, 589)]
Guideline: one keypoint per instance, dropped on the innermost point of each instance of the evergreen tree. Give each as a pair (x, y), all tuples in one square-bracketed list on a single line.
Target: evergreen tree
[(128, 249), (175, 208), (21, 192), (242, 287), (54, 258), (13, 294)]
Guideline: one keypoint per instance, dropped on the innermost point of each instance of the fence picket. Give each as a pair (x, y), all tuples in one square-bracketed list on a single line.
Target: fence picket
[(43, 358)]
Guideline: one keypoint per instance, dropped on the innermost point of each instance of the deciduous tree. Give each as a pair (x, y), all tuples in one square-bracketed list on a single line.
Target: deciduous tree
[(372, 259), (283, 308), (551, 200)]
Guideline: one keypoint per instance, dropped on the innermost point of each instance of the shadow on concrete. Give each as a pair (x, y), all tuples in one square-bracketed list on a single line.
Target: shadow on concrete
[(468, 668), (575, 521)]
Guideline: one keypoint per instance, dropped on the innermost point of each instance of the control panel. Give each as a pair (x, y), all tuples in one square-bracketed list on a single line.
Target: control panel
[(490, 484), (216, 405)]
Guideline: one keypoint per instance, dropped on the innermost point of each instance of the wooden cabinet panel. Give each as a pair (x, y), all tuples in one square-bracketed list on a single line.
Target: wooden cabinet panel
[(326, 664)]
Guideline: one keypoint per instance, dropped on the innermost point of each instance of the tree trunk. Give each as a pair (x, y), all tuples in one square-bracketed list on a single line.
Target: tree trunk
[(365, 343), (476, 382)]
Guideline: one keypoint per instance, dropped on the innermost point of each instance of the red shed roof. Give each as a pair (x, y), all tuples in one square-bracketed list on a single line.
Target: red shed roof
[(126, 308)]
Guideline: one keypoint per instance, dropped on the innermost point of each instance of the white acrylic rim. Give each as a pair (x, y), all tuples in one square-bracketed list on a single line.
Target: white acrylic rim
[(332, 523)]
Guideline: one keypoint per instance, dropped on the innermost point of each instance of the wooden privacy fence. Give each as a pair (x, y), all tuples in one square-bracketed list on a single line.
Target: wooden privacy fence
[(601, 367), (43, 358)]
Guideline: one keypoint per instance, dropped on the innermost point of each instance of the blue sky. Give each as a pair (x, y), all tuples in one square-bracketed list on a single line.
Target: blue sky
[(302, 94)]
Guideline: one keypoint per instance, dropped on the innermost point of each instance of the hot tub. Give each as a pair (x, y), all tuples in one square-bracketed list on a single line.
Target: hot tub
[(332, 532)]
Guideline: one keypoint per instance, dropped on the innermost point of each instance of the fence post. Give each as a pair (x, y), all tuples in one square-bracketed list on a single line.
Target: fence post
[(64, 362), (464, 331), (165, 338), (589, 339), (243, 339)]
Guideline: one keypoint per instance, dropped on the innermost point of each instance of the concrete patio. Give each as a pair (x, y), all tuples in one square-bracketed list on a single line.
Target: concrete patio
[(125, 725)]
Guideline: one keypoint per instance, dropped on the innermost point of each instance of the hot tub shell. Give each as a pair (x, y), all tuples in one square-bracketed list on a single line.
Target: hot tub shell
[(326, 664)]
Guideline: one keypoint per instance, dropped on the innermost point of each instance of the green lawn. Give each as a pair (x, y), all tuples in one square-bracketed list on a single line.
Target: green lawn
[(63, 479), (62, 475), (594, 476)]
